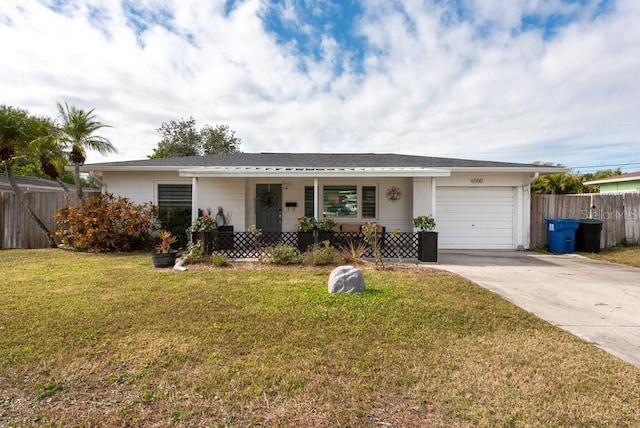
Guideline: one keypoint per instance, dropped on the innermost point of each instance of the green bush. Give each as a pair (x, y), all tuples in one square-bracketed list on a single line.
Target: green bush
[(219, 260), (176, 221), (323, 254), (282, 255), (194, 252), (107, 223)]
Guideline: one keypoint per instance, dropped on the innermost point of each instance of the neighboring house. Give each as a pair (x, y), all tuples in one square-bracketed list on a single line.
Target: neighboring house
[(620, 183), (29, 184), (476, 204)]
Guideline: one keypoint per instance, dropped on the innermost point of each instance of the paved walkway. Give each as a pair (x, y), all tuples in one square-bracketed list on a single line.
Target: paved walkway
[(597, 301)]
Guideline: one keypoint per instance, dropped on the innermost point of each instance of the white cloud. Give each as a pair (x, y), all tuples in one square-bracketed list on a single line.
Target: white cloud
[(428, 84)]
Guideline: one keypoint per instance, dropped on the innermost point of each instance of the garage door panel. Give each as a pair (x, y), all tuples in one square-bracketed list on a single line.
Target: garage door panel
[(475, 218), (477, 226)]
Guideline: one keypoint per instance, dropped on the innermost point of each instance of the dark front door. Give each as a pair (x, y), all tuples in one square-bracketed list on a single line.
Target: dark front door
[(269, 207)]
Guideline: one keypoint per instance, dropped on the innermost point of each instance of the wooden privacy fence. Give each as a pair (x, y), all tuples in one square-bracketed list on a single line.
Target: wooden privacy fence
[(17, 229), (620, 213)]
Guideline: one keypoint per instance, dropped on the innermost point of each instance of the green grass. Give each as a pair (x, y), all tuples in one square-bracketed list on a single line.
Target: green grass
[(629, 256), (102, 340)]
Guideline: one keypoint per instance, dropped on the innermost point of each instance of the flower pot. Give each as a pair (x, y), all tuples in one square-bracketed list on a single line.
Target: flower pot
[(325, 236), (428, 246), (208, 240), (163, 260), (305, 240), (225, 239)]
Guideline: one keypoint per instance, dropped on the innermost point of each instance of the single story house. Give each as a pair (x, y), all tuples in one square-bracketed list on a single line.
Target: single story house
[(620, 183), (476, 204), (29, 184)]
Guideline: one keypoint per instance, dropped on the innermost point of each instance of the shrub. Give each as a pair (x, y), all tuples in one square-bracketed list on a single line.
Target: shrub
[(195, 252), (176, 220), (219, 260), (282, 255), (323, 254), (107, 223), (354, 251)]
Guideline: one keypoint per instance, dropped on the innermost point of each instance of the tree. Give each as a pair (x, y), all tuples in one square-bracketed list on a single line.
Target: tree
[(568, 183), (78, 128), (18, 131), (179, 139), (220, 140), (182, 138)]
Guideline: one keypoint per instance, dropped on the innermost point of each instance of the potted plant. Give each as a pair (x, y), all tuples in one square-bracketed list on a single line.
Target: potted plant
[(325, 229), (225, 239), (163, 255), (306, 227), (202, 229), (427, 238)]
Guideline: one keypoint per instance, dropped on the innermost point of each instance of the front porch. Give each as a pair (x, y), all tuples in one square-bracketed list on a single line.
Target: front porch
[(237, 245)]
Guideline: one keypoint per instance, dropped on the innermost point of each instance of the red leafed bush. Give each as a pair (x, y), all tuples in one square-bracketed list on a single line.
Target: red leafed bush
[(107, 223)]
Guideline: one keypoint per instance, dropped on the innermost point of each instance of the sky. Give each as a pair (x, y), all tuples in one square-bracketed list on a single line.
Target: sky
[(517, 81)]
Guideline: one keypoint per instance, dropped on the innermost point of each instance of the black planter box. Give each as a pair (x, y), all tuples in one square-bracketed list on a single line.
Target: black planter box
[(428, 246), (208, 240), (225, 239), (305, 240), (325, 236)]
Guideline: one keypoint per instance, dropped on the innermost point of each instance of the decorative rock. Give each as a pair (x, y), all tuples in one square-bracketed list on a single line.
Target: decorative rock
[(346, 279)]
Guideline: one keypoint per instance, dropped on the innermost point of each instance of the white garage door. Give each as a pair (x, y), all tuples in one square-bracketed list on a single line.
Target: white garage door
[(475, 217)]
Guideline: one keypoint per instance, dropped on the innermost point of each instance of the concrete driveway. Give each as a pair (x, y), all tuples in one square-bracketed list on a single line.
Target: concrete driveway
[(599, 302)]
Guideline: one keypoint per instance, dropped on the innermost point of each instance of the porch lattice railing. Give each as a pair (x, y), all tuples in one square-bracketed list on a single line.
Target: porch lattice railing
[(248, 245)]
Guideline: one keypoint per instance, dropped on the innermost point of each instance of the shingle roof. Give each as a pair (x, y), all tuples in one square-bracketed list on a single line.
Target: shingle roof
[(310, 160), (33, 182)]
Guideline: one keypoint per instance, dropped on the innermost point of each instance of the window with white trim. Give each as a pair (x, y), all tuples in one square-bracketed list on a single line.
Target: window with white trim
[(343, 201), (174, 195)]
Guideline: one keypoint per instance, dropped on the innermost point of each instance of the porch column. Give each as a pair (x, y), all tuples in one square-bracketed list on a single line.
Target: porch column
[(194, 199), (316, 206), (433, 197)]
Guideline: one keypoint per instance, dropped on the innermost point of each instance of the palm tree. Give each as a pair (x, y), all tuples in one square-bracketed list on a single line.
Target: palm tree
[(78, 127), (50, 159), (18, 130)]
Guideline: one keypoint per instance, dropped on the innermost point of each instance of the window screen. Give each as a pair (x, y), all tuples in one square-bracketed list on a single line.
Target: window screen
[(368, 202), (174, 195), (308, 201)]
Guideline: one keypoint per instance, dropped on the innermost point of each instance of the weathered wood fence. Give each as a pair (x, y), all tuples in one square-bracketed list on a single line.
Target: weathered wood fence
[(620, 213), (17, 229)]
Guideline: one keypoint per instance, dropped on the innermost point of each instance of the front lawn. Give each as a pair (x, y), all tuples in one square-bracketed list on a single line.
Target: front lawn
[(106, 340), (629, 256)]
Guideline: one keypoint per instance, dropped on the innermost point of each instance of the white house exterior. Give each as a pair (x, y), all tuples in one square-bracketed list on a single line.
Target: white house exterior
[(476, 204)]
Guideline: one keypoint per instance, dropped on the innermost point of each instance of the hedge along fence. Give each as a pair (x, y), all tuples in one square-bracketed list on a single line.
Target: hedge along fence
[(620, 213), (17, 229)]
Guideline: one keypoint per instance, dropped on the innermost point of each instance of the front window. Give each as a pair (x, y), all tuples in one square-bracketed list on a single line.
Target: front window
[(174, 196), (343, 201)]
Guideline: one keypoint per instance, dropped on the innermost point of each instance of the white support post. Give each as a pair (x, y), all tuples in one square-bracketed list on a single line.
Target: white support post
[(194, 199), (433, 197), (316, 205)]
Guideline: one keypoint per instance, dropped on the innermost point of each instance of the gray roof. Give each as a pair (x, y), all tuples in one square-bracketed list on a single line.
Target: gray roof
[(30, 182), (311, 160)]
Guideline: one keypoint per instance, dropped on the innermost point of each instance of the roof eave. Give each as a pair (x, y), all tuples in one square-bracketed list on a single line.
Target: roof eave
[(284, 172), (97, 169), (607, 181), (522, 169)]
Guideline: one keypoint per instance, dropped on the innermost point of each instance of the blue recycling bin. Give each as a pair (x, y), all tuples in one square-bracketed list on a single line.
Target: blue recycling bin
[(561, 234)]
